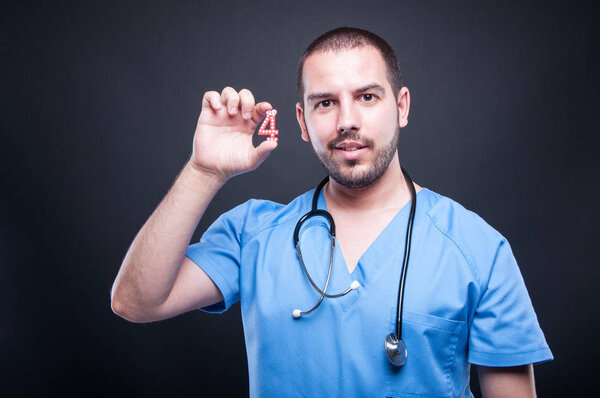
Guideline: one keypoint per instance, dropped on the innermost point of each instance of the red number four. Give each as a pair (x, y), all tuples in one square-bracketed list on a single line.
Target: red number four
[(271, 132)]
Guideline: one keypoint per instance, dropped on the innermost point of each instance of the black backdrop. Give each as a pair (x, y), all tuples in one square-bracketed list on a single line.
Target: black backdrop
[(100, 102)]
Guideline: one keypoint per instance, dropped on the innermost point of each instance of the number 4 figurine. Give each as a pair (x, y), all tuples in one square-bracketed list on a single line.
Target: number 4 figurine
[(271, 132)]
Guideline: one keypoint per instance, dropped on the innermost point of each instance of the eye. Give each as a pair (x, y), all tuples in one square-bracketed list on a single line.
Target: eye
[(368, 97), (324, 104)]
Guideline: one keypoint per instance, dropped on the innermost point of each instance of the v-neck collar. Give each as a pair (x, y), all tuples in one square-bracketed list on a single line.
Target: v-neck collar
[(362, 273)]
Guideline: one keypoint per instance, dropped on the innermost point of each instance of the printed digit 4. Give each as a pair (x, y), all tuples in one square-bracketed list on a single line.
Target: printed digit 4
[(270, 120)]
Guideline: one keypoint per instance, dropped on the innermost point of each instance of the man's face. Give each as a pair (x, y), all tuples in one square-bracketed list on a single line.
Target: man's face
[(351, 115)]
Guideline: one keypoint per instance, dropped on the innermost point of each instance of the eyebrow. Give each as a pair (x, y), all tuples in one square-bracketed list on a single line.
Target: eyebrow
[(369, 87), (372, 87), (318, 96)]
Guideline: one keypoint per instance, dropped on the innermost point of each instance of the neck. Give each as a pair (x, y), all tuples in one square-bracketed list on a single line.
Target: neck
[(389, 191)]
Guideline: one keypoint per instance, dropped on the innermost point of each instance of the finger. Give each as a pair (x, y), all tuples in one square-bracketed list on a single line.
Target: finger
[(246, 103), (231, 99), (262, 151), (211, 99), (260, 110)]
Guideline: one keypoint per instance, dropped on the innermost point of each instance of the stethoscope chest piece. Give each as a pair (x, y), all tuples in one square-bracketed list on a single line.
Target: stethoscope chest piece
[(395, 350)]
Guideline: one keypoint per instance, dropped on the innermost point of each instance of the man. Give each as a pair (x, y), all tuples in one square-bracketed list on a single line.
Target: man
[(465, 301)]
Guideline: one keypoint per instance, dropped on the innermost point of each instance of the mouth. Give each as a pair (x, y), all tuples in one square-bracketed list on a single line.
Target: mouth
[(349, 146), (351, 151)]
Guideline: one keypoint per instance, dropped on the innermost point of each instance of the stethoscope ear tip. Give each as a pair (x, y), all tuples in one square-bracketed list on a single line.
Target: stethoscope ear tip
[(297, 314), (354, 285)]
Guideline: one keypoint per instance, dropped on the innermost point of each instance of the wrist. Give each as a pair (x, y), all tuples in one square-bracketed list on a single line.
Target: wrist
[(204, 175)]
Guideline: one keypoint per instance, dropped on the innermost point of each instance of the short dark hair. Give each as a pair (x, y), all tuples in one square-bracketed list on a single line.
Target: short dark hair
[(346, 38)]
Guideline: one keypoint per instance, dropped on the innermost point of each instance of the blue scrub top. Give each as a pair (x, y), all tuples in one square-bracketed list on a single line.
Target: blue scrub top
[(465, 301)]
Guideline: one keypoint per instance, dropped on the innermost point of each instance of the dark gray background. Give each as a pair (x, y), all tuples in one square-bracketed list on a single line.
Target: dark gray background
[(100, 102)]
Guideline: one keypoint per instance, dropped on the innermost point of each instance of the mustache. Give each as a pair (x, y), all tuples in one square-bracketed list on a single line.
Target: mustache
[(349, 136)]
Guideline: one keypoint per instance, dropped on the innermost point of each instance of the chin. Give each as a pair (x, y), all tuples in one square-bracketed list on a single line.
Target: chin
[(355, 179)]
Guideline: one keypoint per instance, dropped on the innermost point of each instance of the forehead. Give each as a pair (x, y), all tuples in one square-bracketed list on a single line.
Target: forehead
[(335, 71)]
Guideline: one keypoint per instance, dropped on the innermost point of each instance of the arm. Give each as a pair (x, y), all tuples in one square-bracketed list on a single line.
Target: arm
[(156, 280), (513, 382)]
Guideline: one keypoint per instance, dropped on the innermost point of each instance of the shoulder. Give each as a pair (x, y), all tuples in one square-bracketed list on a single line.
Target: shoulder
[(476, 240), (457, 222), (256, 215)]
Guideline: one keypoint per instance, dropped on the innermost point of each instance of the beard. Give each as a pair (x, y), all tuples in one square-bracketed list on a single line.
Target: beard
[(347, 173)]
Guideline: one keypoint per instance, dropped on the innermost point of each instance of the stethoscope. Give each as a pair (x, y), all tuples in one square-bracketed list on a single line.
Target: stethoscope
[(394, 345)]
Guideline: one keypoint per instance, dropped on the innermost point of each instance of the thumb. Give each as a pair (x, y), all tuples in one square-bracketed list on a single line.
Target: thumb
[(262, 151)]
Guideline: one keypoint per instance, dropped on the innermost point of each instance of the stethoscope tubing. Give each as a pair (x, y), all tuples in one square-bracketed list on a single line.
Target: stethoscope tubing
[(314, 285), (323, 293), (323, 213), (407, 244)]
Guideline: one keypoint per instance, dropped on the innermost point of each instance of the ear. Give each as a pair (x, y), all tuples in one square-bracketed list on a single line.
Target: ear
[(301, 122), (403, 106)]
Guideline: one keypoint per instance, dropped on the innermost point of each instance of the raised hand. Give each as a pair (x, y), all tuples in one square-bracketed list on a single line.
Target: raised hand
[(223, 138)]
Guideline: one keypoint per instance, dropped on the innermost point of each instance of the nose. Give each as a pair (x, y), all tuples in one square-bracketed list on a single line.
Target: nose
[(348, 117)]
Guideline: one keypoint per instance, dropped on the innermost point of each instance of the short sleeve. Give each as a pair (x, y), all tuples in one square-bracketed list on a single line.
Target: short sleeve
[(505, 330), (218, 254)]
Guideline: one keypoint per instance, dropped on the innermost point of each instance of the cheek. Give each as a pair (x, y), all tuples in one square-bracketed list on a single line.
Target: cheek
[(320, 121), (322, 128), (382, 122)]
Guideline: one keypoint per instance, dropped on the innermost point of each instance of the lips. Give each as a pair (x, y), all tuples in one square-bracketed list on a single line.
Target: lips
[(351, 150), (349, 146)]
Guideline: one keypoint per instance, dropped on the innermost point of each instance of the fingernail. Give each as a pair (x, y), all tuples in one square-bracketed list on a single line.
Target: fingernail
[(247, 115), (233, 111)]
